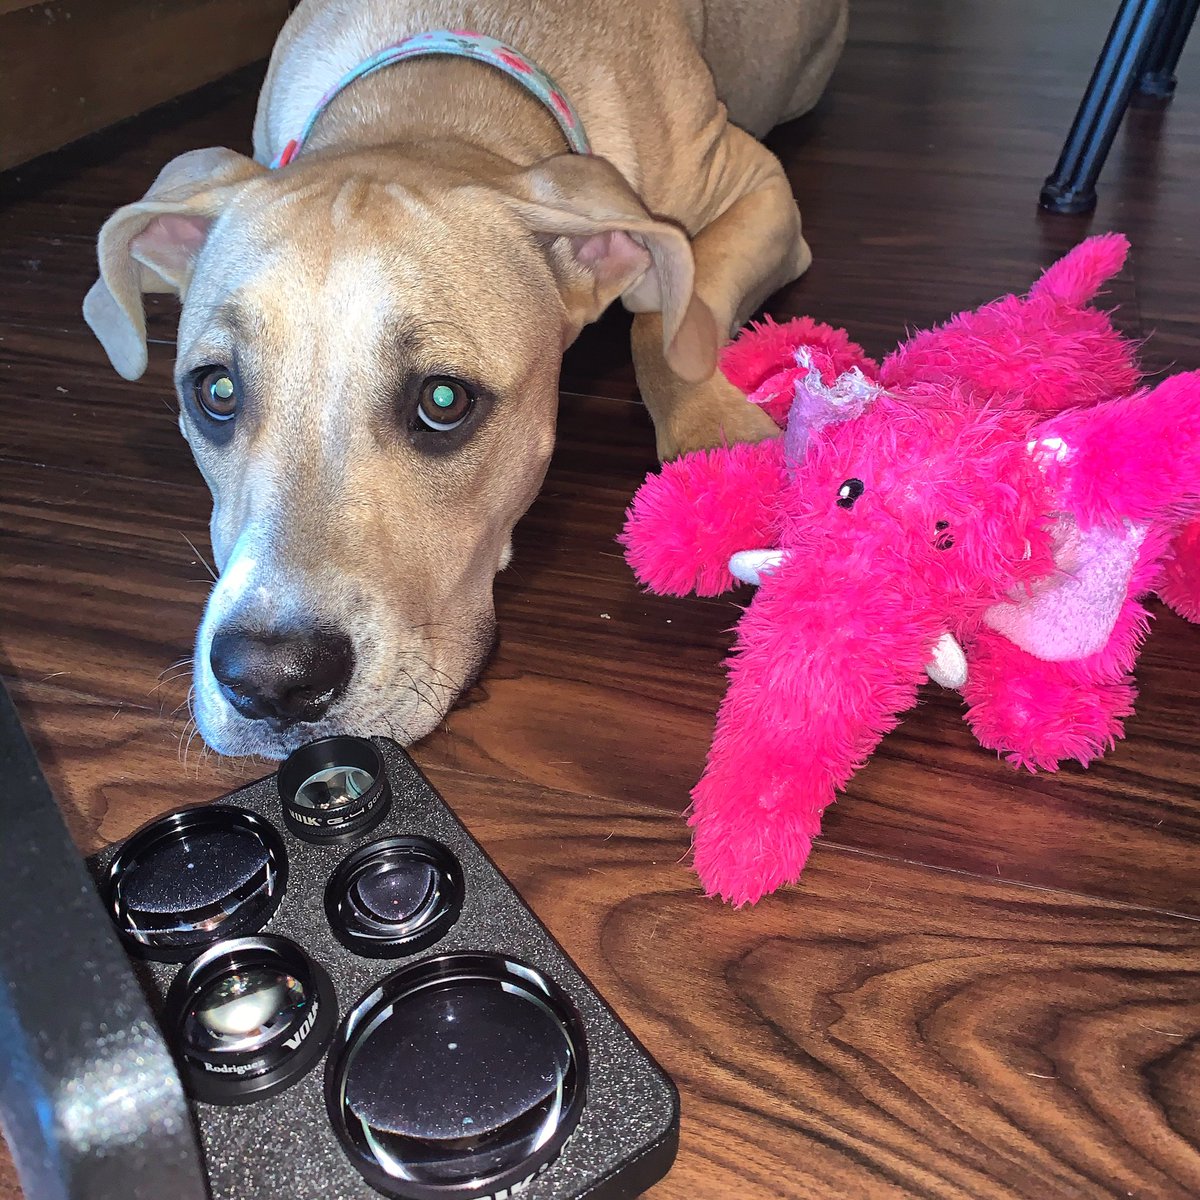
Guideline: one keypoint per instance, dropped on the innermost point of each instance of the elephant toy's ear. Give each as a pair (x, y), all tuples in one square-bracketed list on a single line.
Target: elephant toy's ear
[(1116, 470), (1071, 614), (1135, 459)]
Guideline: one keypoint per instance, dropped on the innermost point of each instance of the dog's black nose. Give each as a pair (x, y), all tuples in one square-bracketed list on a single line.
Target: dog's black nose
[(286, 677)]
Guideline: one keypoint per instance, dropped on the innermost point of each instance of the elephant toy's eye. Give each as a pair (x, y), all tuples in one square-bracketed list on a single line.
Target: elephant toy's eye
[(944, 540), (849, 492)]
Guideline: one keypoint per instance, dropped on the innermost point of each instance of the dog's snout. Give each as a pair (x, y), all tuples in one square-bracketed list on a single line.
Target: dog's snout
[(284, 677)]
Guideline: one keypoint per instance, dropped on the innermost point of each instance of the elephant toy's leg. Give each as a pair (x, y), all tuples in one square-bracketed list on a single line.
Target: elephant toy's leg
[(1180, 587), (814, 685), (1047, 353), (687, 521), (1038, 713)]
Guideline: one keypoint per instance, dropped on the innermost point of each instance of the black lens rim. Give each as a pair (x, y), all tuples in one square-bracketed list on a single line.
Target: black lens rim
[(174, 825), (277, 1068), (341, 750), (369, 938), (432, 972)]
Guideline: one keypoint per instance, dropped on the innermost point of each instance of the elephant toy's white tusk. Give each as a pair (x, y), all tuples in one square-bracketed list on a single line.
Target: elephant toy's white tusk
[(948, 665), (751, 565)]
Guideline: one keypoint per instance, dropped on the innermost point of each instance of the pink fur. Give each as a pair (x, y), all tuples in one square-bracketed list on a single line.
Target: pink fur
[(1037, 713), (1180, 587), (1137, 458), (768, 348), (1078, 278), (916, 518), (1044, 352), (685, 522), (794, 725)]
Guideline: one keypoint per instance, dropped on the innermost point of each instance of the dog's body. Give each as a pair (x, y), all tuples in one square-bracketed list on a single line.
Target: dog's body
[(433, 234)]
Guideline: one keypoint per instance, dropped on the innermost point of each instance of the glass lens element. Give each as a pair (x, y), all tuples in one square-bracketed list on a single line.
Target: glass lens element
[(466, 1072), (193, 870), (193, 877), (333, 787), (394, 891), (394, 896), (245, 1009), (248, 1017)]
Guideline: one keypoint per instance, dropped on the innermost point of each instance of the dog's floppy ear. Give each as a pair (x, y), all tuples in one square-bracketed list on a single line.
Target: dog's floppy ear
[(151, 246), (604, 244)]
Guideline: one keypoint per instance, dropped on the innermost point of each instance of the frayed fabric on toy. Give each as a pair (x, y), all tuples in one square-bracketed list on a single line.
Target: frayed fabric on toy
[(987, 507)]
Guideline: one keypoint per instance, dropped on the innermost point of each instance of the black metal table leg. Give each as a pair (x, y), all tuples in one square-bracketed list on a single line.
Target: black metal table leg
[(1072, 186), (1157, 78)]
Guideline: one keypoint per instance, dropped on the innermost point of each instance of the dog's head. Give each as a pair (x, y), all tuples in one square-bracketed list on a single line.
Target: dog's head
[(367, 373)]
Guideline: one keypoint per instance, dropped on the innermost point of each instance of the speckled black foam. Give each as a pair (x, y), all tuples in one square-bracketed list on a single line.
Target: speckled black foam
[(284, 1146)]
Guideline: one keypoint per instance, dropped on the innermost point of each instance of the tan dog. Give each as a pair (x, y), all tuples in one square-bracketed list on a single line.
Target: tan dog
[(371, 337)]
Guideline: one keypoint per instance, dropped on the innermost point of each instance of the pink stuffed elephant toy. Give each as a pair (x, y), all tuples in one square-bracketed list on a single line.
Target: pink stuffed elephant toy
[(987, 507)]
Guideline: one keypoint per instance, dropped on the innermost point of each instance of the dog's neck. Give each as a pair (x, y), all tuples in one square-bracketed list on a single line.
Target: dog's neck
[(456, 104)]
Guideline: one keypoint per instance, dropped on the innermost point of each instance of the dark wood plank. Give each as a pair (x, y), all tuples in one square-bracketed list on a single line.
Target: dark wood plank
[(119, 162), (942, 124), (63, 409)]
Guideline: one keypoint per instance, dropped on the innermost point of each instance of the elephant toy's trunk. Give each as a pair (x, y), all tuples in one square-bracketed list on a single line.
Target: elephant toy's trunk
[(814, 685)]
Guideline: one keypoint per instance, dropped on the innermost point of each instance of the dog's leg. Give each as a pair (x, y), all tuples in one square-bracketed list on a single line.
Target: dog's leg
[(750, 251)]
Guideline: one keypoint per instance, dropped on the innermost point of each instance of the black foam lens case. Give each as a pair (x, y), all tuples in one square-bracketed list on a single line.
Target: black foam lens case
[(556, 1071)]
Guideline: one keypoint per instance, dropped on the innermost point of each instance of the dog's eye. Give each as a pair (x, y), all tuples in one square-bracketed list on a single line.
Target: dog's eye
[(849, 492), (444, 404), (216, 392)]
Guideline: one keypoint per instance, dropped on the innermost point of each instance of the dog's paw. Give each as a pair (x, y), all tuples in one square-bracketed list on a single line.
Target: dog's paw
[(717, 415)]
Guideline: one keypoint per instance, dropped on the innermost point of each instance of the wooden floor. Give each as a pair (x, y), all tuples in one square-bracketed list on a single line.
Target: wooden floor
[(987, 983)]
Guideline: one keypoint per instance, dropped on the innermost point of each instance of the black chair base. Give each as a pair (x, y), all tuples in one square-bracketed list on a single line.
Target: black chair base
[(1142, 51)]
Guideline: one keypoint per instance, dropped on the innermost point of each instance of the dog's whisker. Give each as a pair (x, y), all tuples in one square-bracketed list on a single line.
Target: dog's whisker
[(426, 693), (417, 690), (403, 738), (163, 680), (184, 741), (194, 734), (203, 561), (436, 677), (169, 675), (168, 681)]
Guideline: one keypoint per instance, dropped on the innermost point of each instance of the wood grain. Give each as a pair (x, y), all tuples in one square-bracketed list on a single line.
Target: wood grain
[(986, 984), (880, 1029)]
